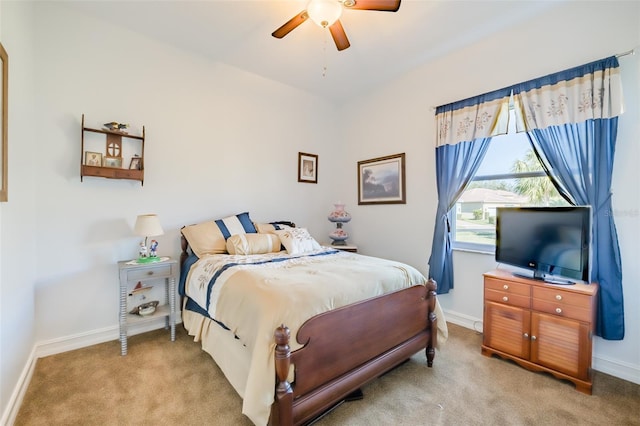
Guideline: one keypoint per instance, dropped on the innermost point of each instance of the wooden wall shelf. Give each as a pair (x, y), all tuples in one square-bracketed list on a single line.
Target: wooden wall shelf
[(113, 139)]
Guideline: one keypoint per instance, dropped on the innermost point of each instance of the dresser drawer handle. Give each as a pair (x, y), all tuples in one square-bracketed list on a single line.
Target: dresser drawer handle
[(505, 299), (558, 311), (558, 297), (506, 287)]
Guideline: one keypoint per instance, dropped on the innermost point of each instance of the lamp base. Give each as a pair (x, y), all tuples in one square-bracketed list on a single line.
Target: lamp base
[(149, 259)]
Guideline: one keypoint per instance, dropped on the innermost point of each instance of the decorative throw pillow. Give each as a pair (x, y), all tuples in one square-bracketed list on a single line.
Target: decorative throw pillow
[(269, 228), (297, 240), (211, 237), (238, 224), (253, 243)]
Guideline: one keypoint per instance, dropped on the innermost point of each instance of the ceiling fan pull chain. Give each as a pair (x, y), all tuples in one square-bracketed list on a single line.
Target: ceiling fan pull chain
[(324, 53)]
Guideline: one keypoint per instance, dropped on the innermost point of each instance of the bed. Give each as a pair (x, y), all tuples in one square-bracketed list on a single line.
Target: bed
[(297, 327)]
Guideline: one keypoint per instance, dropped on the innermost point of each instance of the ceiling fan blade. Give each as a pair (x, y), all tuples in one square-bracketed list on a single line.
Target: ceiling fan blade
[(339, 36), (381, 5), (291, 24)]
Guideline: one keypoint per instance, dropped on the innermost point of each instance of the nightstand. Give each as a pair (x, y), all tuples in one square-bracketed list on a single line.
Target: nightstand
[(347, 247), (142, 283)]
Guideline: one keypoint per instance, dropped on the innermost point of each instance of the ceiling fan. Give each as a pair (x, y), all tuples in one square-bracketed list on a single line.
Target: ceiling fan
[(326, 13)]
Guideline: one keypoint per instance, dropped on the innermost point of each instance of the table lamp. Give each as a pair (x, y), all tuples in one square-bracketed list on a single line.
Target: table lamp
[(147, 225)]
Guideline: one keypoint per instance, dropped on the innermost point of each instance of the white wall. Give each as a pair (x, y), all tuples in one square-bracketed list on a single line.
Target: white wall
[(399, 118), (18, 263), (219, 141)]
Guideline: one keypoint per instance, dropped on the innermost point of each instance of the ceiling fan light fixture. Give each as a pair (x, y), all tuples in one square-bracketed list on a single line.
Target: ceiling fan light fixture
[(324, 12)]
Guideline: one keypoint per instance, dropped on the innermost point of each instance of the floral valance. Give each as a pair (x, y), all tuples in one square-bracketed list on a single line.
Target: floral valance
[(587, 92), (479, 117)]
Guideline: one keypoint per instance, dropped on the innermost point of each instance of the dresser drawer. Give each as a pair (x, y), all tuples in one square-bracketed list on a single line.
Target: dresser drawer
[(562, 297), (563, 310), (507, 287), (507, 298), (155, 271)]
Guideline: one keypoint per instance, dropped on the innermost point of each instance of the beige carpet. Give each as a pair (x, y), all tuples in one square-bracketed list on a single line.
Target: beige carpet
[(175, 383)]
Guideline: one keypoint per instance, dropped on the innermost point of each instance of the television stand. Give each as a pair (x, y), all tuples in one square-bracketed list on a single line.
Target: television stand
[(540, 327)]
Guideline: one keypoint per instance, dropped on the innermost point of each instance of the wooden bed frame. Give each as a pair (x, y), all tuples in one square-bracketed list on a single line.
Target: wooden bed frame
[(347, 347)]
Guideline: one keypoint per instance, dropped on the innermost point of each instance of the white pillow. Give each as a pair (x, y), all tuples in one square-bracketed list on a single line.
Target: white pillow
[(297, 240)]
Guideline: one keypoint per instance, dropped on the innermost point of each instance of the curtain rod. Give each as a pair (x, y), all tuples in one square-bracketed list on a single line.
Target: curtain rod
[(628, 52)]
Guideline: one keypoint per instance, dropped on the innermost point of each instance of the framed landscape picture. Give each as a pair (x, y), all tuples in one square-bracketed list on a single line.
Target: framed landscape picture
[(307, 167), (382, 180)]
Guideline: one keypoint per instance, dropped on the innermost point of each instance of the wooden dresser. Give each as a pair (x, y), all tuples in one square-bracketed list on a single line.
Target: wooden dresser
[(540, 326)]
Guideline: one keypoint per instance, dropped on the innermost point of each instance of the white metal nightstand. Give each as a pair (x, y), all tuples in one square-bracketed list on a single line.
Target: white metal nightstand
[(144, 283)]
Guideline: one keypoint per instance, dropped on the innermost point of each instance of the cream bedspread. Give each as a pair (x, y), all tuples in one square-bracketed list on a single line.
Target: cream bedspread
[(253, 295)]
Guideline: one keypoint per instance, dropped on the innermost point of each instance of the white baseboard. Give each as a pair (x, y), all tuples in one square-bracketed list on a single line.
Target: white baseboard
[(65, 344), (463, 320), (15, 401), (94, 337), (621, 370)]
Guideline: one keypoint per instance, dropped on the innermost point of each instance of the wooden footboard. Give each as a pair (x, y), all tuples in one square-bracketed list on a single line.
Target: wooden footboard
[(348, 347)]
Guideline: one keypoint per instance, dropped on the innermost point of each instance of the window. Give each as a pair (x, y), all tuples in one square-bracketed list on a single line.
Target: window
[(510, 176)]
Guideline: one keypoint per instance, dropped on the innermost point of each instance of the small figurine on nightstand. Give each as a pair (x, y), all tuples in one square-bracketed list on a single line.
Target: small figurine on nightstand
[(154, 247), (143, 251)]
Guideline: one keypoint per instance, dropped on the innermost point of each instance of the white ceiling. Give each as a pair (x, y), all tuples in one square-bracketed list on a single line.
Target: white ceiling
[(383, 44)]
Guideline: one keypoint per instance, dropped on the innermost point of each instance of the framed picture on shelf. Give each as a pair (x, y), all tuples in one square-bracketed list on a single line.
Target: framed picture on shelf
[(92, 159), (112, 162), (382, 180), (307, 167), (136, 163)]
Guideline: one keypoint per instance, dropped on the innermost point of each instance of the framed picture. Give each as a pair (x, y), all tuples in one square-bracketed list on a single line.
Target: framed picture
[(136, 163), (381, 180), (112, 161), (92, 159), (307, 167)]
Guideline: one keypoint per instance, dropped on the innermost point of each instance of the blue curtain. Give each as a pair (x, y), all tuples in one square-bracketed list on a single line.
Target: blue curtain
[(455, 166), (579, 157), (465, 129)]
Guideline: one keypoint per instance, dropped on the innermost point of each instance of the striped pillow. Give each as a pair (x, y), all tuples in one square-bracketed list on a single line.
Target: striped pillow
[(211, 237)]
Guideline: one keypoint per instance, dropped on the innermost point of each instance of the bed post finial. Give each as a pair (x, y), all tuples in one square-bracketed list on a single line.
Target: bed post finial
[(284, 393)]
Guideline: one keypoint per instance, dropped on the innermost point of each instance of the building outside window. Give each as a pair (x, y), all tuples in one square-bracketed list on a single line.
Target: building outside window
[(510, 176)]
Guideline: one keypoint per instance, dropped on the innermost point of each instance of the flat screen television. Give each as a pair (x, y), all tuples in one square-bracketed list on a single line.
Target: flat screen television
[(553, 242)]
